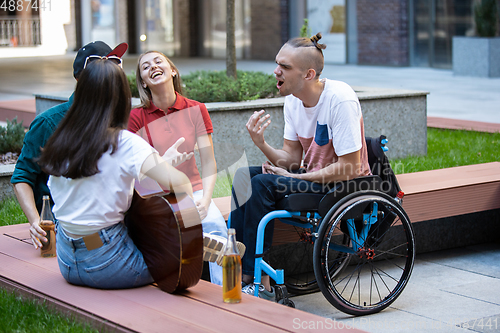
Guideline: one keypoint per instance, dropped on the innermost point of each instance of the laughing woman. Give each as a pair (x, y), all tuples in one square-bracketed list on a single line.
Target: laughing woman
[(166, 118), (93, 161)]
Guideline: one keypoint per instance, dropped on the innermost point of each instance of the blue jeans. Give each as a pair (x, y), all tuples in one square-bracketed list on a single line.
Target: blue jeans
[(253, 196), (115, 265)]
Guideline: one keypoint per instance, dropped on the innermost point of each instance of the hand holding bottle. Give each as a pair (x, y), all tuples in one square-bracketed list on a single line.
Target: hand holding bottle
[(48, 225), (37, 235)]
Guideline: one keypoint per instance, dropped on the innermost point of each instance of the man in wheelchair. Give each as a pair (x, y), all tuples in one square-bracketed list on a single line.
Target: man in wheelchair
[(324, 143)]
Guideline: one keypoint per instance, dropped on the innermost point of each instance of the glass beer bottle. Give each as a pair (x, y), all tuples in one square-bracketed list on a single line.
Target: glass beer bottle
[(231, 270), (47, 224)]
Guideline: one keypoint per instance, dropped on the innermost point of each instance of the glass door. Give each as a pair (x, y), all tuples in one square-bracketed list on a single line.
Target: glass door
[(435, 22), (103, 26)]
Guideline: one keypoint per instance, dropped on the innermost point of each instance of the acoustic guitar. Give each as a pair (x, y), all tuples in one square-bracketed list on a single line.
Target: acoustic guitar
[(167, 230)]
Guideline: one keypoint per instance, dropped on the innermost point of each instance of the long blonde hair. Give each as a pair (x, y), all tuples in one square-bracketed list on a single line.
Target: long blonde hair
[(145, 93)]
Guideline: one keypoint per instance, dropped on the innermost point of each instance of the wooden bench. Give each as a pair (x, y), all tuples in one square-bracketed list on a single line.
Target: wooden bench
[(145, 309), (450, 192), (429, 195), (440, 193)]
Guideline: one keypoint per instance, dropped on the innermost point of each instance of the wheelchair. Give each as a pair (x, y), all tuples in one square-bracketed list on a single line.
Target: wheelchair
[(355, 243)]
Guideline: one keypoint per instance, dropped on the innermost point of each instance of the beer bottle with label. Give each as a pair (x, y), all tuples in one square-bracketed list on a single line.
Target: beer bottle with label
[(231, 270), (48, 225)]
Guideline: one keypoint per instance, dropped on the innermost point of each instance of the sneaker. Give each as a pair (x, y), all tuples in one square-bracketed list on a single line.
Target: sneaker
[(263, 293), (214, 245)]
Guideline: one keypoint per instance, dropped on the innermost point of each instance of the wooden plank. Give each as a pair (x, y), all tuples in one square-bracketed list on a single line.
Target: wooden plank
[(470, 125), (224, 205), (427, 181), (101, 303), (24, 110), (83, 317), (452, 202), (145, 309), (450, 192), (150, 305)]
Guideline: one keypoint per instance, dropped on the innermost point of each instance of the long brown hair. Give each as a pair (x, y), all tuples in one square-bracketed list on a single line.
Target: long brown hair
[(145, 93), (100, 110)]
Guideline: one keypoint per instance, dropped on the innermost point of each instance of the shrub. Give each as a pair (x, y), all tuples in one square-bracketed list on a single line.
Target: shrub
[(132, 84), (215, 86), (305, 31), (486, 17), (11, 137)]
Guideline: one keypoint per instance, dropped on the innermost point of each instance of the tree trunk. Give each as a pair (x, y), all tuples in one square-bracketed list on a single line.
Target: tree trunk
[(230, 40)]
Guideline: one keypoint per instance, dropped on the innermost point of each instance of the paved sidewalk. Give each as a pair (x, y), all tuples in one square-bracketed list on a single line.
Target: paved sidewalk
[(449, 291), (456, 97)]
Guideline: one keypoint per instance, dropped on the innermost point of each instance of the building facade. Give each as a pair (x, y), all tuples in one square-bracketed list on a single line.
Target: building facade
[(382, 32), (34, 28)]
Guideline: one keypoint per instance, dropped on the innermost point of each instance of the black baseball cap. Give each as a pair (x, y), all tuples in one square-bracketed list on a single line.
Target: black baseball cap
[(96, 48)]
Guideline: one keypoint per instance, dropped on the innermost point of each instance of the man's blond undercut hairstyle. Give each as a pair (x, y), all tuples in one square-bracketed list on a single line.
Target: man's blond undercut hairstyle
[(312, 55)]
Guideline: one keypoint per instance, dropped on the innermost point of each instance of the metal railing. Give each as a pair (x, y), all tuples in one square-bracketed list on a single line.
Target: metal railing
[(20, 32)]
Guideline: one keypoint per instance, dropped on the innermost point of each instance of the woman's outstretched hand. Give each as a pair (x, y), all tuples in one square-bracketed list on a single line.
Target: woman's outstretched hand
[(173, 156)]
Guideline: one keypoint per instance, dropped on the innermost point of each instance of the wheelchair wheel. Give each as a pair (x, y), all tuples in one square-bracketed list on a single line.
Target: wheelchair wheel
[(381, 253), (292, 251)]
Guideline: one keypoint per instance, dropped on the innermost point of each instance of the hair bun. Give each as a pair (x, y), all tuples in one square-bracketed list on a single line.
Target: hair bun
[(315, 39)]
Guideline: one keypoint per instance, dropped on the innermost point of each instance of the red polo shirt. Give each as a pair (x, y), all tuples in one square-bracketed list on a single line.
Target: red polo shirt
[(186, 118)]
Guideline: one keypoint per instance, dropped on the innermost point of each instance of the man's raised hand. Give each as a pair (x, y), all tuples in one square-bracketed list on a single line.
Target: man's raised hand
[(256, 126)]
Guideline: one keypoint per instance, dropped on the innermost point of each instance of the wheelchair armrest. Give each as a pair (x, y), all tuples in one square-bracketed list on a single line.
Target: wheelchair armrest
[(341, 189)]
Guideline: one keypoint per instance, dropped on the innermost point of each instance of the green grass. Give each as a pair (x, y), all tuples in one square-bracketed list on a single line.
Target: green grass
[(222, 186), (11, 213), (446, 148), (451, 148), (22, 315)]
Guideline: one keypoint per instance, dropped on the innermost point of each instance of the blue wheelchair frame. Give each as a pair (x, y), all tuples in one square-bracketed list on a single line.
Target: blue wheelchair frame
[(357, 241), (278, 275)]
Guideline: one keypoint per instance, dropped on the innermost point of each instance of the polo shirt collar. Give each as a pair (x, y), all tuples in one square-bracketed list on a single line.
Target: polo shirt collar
[(180, 104)]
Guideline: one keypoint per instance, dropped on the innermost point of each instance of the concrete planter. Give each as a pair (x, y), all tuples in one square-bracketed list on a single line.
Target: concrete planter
[(401, 115), (476, 56), (6, 189)]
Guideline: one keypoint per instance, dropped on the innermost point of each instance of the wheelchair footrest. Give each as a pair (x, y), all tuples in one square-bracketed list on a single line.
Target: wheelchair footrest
[(282, 296)]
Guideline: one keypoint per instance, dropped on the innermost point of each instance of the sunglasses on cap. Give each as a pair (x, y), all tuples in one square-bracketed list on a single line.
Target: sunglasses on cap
[(115, 59)]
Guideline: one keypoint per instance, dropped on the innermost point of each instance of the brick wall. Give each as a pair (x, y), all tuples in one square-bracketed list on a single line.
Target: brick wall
[(266, 29), (383, 32)]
